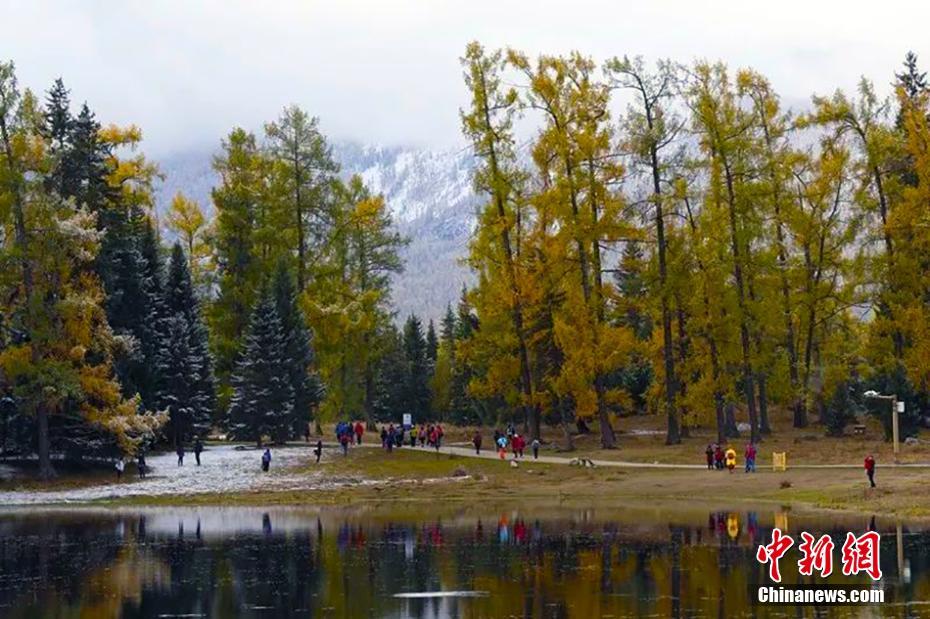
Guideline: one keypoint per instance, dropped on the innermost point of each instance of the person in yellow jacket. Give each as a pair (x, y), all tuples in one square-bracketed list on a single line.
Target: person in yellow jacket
[(730, 458)]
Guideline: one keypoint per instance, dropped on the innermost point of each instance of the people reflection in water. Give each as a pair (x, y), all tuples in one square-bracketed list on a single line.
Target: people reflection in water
[(752, 527), (519, 531), (581, 565)]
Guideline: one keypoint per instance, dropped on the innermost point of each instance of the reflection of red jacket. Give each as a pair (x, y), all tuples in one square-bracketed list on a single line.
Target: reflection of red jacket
[(869, 463)]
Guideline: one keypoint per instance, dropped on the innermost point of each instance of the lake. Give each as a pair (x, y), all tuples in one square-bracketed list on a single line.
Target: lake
[(423, 560)]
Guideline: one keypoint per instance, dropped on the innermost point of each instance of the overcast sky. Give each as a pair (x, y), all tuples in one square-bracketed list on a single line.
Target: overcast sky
[(387, 71)]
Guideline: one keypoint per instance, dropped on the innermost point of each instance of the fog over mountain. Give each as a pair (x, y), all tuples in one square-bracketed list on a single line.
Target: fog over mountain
[(429, 193)]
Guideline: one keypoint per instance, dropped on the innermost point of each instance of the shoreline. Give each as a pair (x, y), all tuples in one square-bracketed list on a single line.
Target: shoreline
[(455, 476)]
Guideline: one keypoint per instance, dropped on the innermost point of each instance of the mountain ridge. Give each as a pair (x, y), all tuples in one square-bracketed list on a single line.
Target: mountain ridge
[(428, 191)]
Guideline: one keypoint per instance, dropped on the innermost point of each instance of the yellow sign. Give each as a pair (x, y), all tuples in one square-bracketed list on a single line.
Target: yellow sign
[(779, 461)]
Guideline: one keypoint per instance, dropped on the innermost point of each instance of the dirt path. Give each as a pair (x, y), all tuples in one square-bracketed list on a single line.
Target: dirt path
[(492, 455)]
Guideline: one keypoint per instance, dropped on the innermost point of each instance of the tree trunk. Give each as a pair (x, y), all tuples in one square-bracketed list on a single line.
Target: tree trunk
[(22, 243), (682, 356), (747, 372), (732, 429), (709, 338), (526, 384), (761, 378), (672, 435), (46, 471)]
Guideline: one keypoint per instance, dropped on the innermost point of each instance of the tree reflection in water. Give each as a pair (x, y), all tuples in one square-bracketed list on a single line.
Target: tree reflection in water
[(287, 563)]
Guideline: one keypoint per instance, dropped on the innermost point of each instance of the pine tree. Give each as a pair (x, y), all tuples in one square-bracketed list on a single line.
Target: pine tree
[(238, 268), (57, 129), (60, 368), (840, 410), (912, 80), (305, 170), (432, 344), (86, 164), (150, 324), (262, 401), (389, 401), (298, 353), (461, 404), (416, 383), (185, 365)]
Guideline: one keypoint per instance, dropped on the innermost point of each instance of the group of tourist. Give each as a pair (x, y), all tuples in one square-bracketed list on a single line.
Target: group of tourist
[(348, 433), (198, 449), (719, 458), (502, 440), (142, 467), (427, 435)]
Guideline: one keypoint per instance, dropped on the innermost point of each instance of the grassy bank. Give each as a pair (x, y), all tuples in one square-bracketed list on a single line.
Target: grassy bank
[(370, 476)]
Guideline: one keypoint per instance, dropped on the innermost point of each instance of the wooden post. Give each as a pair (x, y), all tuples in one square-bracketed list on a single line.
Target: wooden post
[(894, 425)]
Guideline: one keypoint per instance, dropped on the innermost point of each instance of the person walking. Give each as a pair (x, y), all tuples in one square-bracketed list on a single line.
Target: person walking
[(750, 457), (359, 431), (502, 447), (344, 441), (180, 454), (198, 449), (140, 464), (517, 445), (439, 434), (266, 460), (718, 458), (535, 449), (318, 451), (709, 452), (120, 465), (476, 441), (870, 469), (731, 458)]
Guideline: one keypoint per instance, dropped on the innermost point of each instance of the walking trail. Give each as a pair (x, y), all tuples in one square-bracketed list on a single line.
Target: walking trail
[(230, 468), (459, 450)]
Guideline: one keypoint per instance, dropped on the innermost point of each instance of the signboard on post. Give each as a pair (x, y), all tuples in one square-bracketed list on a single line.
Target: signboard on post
[(779, 461), (408, 420)]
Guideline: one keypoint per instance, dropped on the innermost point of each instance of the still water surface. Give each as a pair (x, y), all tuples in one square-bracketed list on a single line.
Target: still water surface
[(409, 562)]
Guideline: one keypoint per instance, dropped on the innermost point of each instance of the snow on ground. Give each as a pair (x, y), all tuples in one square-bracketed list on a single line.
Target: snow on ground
[(224, 469)]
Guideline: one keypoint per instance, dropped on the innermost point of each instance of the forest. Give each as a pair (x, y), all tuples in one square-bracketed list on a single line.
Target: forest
[(672, 240), (659, 239)]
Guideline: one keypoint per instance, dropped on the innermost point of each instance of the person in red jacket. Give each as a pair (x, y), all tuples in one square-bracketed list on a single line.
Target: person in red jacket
[(359, 431), (718, 458), (870, 469), (514, 445), (750, 457)]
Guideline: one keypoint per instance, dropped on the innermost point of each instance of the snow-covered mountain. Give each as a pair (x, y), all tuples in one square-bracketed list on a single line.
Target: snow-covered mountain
[(428, 191)]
